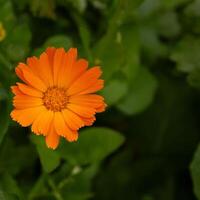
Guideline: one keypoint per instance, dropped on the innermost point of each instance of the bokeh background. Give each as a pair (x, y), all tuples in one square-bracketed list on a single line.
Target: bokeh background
[(145, 146)]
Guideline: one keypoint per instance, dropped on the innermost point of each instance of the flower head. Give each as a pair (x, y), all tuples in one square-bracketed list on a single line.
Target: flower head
[(57, 97)]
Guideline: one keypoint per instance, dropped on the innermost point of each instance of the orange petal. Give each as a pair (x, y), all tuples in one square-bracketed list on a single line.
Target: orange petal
[(19, 72), (24, 101), (74, 121), (52, 138), (59, 124), (62, 128), (33, 64), (42, 123), (67, 67), (102, 108), (31, 78), (26, 117), (45, 69), (57, 63), (89, 121), (81, 110), (47, 121), (40, 67), (51, 52), (29, 90), (93, 88), (90, 100), (79, 68), (35, 125), (84, 81), (16, 91), (72, 136)]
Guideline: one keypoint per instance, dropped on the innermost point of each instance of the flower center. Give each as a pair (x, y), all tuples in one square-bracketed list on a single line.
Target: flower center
[(55, 99)]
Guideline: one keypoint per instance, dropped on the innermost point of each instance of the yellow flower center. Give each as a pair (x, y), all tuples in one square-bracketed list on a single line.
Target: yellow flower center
[(55, 99)]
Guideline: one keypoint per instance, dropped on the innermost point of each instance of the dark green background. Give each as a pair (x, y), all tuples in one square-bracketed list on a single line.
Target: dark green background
[(145, 146)]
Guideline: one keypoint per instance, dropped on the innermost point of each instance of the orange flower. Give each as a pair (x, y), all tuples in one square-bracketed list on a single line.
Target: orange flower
[(57, 98)]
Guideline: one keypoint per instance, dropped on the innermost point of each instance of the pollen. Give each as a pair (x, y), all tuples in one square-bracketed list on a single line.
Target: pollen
[(55, 99)]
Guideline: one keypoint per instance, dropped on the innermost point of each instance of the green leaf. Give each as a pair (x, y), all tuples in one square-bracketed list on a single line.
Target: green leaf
[(194, 78), (94, 144), (84, 34), (147, 197), (141, 93), (45, 8), (108, 50), (195, 172), (49, 158), (130, 8), (78, 5), (3, 94), (39, 187), (7, 16), (78, 186), (5, 63), (151, 43), (131, 52), (114, 91), (59, 41), (124, 56), (18, 163), (17, 46), (110, 61), (55, 41), (193, 9), (187, 57), (4, 118), (169, 19), (147, 7), (169, 4), (7, 196), (10, 185), (187, 54)]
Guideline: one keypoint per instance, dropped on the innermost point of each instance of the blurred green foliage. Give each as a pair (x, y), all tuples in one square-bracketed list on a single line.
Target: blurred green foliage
[(142, 147)]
